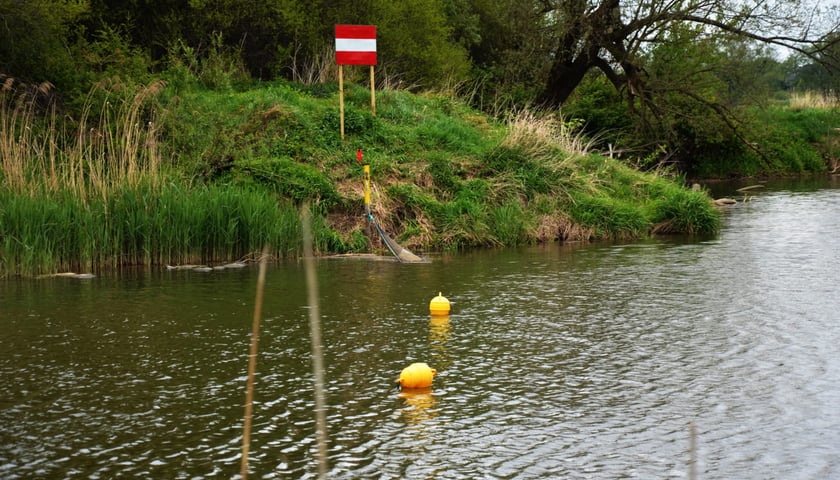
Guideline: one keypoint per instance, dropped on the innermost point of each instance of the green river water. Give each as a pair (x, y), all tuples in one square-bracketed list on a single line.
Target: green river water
[(560, 361)]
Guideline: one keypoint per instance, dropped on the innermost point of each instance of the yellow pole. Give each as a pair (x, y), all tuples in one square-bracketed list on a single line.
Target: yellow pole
[(367, 188), (372, 92), (367, 205), (341, 98)]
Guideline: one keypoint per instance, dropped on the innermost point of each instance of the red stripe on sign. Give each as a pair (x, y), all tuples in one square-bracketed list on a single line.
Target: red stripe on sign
[(355, 58), (355, 31), (355, 44)]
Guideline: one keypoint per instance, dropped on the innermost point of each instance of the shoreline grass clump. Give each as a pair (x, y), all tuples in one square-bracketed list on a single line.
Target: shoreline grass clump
[(168, 225)]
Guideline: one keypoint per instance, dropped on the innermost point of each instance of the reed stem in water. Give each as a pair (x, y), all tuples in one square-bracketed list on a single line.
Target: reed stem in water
[(252, 365), (317, 353)]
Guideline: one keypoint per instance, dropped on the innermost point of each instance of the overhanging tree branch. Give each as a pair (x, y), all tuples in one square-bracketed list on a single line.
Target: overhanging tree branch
[(603, 27)]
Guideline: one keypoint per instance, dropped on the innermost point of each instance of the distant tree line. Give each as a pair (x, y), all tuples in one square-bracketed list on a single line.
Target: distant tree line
[(655, 67)]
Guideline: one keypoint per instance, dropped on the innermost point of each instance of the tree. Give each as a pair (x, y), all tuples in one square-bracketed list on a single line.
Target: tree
[(280, 38), (417, 43), (35, 38), (821, 75), (614, 36)]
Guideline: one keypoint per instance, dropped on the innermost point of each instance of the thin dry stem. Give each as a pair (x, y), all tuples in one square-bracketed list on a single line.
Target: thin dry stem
[(541, 135), (118, 150), (813, 100)]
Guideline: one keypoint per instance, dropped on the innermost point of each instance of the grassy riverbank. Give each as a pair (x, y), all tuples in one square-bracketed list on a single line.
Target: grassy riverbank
[(785, 141), (177, 173)]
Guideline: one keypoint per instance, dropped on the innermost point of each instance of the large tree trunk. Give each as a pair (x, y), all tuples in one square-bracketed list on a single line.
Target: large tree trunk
[(564, 77), (579, 47)]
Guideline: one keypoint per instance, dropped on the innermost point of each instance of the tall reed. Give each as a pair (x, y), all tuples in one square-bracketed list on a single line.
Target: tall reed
[(146, 225), (90, 194), (90, 158), (20, 142), (813, 100)]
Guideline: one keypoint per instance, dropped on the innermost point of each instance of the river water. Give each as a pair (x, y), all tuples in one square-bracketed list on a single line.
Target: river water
[(573, 361)]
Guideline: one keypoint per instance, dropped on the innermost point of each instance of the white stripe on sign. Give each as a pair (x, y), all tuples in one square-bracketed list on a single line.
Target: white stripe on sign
[(355, 45)]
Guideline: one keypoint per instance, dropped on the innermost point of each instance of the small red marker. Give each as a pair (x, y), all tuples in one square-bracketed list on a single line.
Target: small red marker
[(359, 155)]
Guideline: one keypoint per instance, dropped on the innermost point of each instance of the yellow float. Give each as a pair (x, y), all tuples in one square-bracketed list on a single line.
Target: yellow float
[(439, 305), (416, 375)]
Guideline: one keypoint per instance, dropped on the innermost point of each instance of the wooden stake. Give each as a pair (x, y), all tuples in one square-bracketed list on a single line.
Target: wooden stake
[(341, 98), (372, 92)]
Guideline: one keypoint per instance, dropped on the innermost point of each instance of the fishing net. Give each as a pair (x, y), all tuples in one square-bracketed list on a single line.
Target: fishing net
[(402, 254)]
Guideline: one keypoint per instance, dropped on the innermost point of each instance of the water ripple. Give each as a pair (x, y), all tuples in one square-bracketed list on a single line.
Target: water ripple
[(558, 362)]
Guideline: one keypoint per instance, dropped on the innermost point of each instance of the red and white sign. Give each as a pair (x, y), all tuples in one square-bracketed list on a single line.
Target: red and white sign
[(355, 44)]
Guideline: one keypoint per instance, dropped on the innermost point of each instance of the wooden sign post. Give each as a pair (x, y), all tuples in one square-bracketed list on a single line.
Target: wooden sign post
[(355, 45)]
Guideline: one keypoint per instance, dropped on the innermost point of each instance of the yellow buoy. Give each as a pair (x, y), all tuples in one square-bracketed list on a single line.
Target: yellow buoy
[(439, 305), (417, 375)]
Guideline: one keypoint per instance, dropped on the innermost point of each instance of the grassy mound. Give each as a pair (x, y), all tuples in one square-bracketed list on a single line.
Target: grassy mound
[(176, 173)]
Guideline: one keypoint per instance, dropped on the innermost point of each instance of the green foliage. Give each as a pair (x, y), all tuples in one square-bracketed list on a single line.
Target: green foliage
[(357, 242), (295, 181), (459, 223), (218, 68), (711, 148), (35, 43), (400, 107), (508, 224), (601, 108), (291, 38), (788, 153), (532, 178), (447, 133), (413, 35), (442, 171), (810, 125), (464, 22), (464, 222), (797, 141), (719, 122), (497, 53), (209, 132), (510, 54), (111, 54), (782, 142), (820, 75), (412, 197), (609, 218)]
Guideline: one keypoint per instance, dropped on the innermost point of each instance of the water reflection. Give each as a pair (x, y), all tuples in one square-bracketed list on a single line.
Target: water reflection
[(439, 332), (418, 405)]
